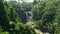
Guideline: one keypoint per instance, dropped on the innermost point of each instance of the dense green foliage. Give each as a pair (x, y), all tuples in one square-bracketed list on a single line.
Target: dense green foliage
[(46, 15), (10, 23)]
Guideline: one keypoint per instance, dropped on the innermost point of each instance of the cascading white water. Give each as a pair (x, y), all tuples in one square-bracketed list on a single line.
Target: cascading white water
[(27, 16)]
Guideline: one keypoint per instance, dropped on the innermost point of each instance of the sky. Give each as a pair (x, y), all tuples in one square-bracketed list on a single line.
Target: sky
[(21, 0)]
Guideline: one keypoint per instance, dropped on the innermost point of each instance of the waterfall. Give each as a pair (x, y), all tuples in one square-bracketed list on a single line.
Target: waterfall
[(27, 17)]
